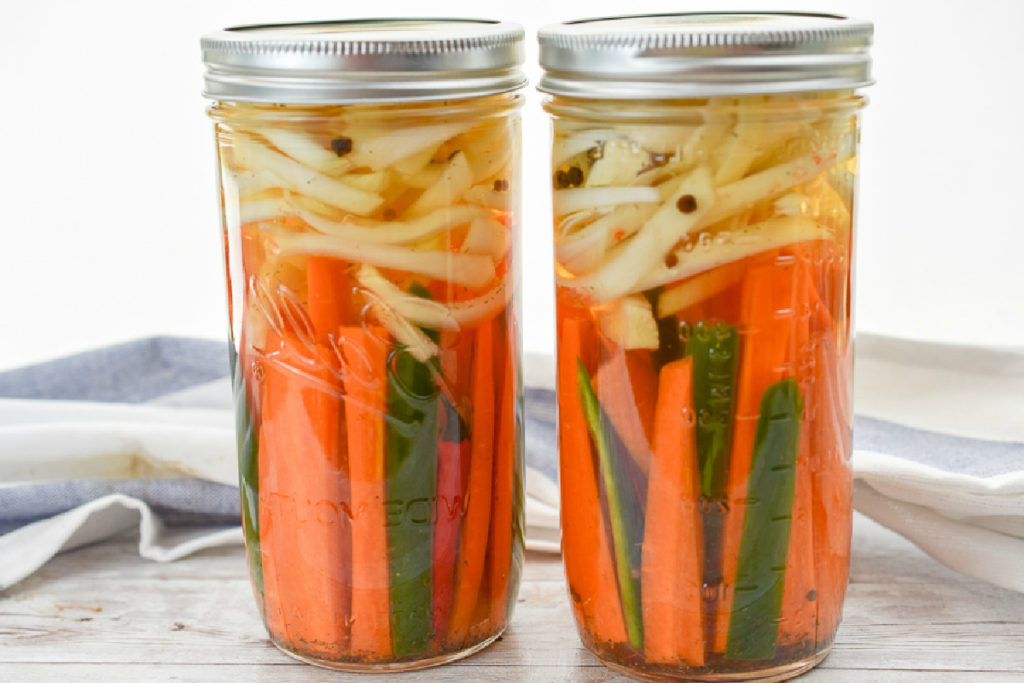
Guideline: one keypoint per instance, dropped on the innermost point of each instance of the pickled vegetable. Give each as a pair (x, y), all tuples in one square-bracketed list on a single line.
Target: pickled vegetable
[(767, 522), (248, 472), (703, 255), (371, 286)]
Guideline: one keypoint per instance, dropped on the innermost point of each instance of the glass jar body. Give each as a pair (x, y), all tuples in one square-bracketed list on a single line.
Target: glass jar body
[(703, 256), (371, 257)]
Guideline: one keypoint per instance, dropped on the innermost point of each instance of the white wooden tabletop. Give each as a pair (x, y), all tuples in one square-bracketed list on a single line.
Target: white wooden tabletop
[(103, 614)]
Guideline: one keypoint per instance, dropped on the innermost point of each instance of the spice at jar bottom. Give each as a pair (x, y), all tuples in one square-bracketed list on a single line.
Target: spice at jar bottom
[(370, 234), (703, 201)]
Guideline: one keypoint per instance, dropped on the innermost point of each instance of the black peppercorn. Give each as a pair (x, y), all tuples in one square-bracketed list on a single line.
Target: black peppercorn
[(341, 146), (671, 260), (561, 180), (687, 203), (575, 176)]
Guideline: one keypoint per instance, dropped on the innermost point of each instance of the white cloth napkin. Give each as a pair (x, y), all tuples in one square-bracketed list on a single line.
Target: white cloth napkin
[(954, 484), (970, 524), (46, 441)]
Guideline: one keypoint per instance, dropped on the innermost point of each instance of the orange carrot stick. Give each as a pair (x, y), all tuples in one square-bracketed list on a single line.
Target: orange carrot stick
[(672, 550), (365, 360), (768, 311), (626, 385), (330, 295), (305, 589), (829, 440), (473, 543), (833, 493), (586, 550), (711, 295), (500, 539), (800, 593), (271, 609), (800, 589), (480, 623)]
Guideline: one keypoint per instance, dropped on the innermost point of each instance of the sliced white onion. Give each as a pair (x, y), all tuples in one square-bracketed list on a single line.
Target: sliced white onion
[(633, 259), (794, 204), (486, 195), (580, 198), (629, 322), (394, 232), (369, 182), (753, 239), (703, 142), (739, 152), (776, 180), (620, 163), (294, 176), (729, 200), (568, 147), (249, 183), (425, 177), (427, 312), (486, 236), (456, 178), (415, 163), (418, 344), (596, 237), (843, 181), (585, 255), (379, 148), (490, 155), (574, 222), (669, 139), (306, 151), (695, 289), (263, 210), (471, 270)]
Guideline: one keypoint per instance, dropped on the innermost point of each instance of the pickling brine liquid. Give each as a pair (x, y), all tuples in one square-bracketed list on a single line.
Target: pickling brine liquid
[(703, 261), (370, 258)]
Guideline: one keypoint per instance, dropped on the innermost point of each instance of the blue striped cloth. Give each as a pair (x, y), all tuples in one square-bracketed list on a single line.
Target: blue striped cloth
[(133, 372)]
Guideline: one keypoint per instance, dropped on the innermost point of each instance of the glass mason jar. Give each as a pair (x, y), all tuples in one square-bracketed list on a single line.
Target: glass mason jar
[(370, 192), (704, 171)]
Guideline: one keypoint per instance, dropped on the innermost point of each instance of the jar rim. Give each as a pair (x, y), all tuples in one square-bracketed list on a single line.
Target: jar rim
[(363, 60), (704, 54)]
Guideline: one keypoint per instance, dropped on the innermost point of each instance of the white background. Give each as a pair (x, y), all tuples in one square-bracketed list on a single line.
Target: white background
[(109, 228)]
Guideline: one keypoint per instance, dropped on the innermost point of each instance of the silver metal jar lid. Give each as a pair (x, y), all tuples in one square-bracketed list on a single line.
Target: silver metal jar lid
[(703, 54), (363, 60)]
